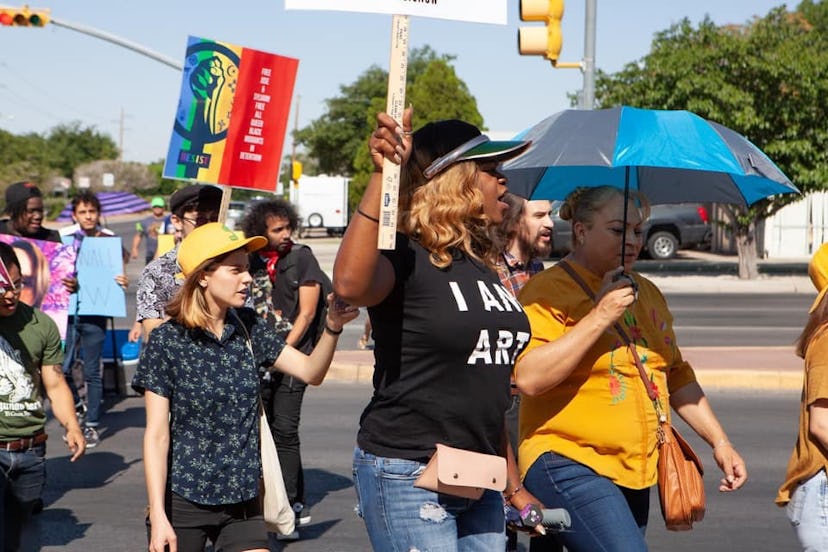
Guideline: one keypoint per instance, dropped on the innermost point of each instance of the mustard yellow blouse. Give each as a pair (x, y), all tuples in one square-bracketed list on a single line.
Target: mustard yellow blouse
[(600, 415), (808, 456)]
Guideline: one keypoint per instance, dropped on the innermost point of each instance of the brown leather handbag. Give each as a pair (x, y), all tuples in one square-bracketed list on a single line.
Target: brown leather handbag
[(680, 481)]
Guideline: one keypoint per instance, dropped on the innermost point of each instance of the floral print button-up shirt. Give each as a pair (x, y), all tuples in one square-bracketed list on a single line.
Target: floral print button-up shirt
[(213, 388)]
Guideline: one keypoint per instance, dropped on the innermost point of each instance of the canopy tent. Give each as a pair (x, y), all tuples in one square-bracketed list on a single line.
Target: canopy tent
[(112, 203)]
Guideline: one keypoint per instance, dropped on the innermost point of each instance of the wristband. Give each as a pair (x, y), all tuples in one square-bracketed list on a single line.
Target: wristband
[(332, 332), (366, 215), (509, 496)]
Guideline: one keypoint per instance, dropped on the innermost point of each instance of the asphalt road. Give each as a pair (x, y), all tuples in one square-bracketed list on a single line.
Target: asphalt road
[(97, 504), (715, 319), (738, 319)]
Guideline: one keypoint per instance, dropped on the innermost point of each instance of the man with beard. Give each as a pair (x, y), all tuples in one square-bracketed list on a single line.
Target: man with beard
[(527, 231), (289, 289)]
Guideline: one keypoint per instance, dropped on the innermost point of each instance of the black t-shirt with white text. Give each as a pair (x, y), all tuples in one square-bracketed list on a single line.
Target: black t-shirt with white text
[(445, 344)]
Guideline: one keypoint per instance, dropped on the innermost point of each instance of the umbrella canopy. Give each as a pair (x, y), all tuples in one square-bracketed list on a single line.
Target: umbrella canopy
[(112, 203), (669, 156)]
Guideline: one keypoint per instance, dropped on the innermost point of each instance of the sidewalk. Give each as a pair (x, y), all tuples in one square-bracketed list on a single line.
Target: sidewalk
[(719, 367)]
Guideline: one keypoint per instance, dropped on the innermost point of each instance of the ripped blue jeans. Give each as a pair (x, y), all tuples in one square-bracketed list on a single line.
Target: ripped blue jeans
[(403, 518)]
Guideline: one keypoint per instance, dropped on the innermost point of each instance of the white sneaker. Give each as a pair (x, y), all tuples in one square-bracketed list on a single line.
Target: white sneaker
[(91, 436), (303, 515)]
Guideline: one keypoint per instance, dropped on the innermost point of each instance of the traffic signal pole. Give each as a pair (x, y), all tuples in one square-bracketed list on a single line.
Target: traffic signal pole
[(109, 37), (24, 16), (548, 41)]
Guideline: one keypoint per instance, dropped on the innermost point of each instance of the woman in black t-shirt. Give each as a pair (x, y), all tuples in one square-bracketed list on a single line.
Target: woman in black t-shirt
[(446, 334)]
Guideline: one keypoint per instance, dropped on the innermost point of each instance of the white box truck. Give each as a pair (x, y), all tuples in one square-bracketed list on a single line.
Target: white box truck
[(322, 202)]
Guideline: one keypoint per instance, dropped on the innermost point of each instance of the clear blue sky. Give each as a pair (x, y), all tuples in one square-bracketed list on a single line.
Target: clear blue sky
[(54, 75)]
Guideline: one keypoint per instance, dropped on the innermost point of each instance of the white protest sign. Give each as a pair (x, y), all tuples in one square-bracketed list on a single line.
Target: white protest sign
[(477, 11)]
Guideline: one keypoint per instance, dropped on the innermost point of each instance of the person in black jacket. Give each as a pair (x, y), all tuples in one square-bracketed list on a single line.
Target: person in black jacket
[(288, 290)]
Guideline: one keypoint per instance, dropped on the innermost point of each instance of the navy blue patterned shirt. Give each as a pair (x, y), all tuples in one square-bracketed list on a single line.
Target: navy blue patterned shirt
[(213, 388)]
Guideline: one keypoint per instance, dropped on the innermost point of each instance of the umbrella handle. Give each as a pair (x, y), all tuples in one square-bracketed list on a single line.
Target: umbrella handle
[(626, 208)]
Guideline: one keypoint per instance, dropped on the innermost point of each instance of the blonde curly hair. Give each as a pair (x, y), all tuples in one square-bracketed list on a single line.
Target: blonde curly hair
[(446, 213)]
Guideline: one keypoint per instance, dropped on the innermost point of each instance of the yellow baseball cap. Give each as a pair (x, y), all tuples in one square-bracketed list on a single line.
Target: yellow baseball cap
[(818, 271), (212, 240)]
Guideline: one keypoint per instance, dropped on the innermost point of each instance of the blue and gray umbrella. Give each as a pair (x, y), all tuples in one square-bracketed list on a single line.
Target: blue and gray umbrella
[(669, 156)]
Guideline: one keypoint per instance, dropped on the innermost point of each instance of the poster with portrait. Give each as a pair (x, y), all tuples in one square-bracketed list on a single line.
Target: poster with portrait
[(43, 266), (232, 115)]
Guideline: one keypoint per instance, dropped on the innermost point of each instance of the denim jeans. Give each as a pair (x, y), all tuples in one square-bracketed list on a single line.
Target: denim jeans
[(282, 399), (808, 512), (605, 517), (91, 333), (24, 475), (401, 517)]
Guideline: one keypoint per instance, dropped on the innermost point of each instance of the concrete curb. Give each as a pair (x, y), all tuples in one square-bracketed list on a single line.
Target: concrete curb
[(769, 368)]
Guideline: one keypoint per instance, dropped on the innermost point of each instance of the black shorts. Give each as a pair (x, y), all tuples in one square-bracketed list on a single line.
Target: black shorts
[(230, 527)]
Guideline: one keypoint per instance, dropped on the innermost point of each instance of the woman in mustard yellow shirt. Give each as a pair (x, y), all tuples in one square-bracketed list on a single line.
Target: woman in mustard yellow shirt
[(803, 492), (587, 426)]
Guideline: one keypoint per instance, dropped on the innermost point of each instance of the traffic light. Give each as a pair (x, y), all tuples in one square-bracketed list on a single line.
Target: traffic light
[(296, 171), (538, 40), (23, 17)]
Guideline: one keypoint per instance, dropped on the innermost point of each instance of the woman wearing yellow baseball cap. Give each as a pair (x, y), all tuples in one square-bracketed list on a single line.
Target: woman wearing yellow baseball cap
[(200, 375)]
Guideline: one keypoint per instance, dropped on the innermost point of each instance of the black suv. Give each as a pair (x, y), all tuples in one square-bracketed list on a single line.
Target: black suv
[(669, 228)]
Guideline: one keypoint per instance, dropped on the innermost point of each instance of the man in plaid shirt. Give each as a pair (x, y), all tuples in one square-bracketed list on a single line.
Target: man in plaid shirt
[(527, 231)]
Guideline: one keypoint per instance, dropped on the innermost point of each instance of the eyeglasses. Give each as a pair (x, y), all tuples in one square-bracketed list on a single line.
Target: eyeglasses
[(492, 169), (201, 219), (14, 288)]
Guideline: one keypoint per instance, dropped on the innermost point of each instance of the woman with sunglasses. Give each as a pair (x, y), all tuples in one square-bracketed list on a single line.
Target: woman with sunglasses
[(446, 333)]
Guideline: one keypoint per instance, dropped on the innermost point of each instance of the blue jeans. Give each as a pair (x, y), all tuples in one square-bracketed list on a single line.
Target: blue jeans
[(605, 517), (808, 512), (89, 332), (24, 475), (401, 517)]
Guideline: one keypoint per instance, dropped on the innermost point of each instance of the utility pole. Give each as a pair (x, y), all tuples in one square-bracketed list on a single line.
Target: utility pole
[(121, 137), (295, 169)]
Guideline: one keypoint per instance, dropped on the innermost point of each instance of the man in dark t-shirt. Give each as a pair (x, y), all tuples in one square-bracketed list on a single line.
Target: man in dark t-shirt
[(287, 291)]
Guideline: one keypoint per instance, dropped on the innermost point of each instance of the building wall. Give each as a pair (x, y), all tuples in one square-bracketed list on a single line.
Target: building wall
[(798, 229)]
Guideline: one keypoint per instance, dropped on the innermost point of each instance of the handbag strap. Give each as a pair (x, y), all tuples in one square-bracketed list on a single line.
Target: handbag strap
[(648, 385), (249, 343)]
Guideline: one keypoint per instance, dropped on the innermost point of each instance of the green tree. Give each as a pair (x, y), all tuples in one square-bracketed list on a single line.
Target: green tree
[(40, 158), (71, 145), (336, 141), (765, 79)]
